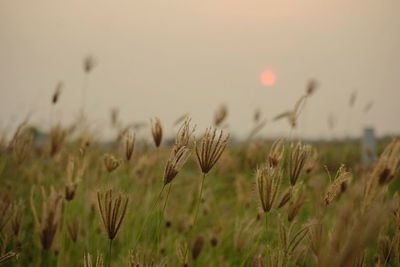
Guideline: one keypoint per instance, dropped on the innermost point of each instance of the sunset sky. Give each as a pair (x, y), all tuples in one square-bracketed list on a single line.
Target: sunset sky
[(167, 58)]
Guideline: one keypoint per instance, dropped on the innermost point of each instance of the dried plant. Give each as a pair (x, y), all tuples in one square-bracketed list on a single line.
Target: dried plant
[(338, 186), (293, 115), (311, 87), (256, 129), (352, 99), (16, 219), (181, 251), (89, 262), (331, 120), (89, 63), (5, 211), (286, 196), (291, 240), (368, 107), (220, 115), (49, 221), (385, 169), (7, 257), (312, 162), (175, 162), (112, 211), (57, 137), (297, 158), (73, 178), (352, 231), (129, 145), (157, 131), (181, 119), (197, 247), (268, 181), (114, 117), (276, 258), (316, 236), (138, 260), (257, 115), (245, 233), (276, 153), (184, 135), (210, 149), (73, 228), (111, 162), (21, 143), (295, 203), (57, 92)]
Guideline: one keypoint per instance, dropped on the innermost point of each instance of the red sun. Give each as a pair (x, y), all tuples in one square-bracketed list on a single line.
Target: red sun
[(268, 78)]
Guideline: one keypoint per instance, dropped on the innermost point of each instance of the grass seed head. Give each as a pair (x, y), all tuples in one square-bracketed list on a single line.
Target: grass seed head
[(89, 62), (49, 221), (129, 145), (184, 135), (298, 155), (111, 162), (156, 131), (57, 92), (7, 257), (197, 247), (338, 186), (268, 181), (220, 115), (89, 262), (276, 153), (210, 149), (175, 163), (112, 211)]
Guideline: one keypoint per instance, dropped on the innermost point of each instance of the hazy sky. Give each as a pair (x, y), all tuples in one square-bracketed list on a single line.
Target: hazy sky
[(166, 58)]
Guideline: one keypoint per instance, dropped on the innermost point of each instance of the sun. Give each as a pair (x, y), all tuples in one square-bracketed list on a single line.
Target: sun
[(268, 78)]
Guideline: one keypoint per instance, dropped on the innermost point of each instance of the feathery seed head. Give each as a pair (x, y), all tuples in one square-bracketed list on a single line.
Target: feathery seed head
[(175, 162), (89, 63), (276, 153), (57, 92), (340, 183), (156, 131), (184, 136), (210, 149), (112, 211), (111, 162), (298, 155), (129, 145), (220, 115), (268, 181)]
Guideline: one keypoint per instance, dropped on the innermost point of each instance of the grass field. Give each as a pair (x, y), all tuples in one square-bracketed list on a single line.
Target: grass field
[(200, 201)]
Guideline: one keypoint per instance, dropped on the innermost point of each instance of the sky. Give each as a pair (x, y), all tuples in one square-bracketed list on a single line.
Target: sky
[(168, 58)]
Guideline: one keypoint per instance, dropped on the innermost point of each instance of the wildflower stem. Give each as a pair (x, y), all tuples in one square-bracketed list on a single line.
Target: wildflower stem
[(148, 215), (266, 224), (196, 212), (199, 200), (109, 254)]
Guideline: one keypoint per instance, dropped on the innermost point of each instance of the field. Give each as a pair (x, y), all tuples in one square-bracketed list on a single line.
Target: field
[(200, 200)]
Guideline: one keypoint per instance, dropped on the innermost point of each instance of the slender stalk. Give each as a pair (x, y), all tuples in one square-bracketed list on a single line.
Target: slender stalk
[(266, 224), (199, 201), (166, 199), (110, 254), (148, 216), (161, 217), (196, 213)]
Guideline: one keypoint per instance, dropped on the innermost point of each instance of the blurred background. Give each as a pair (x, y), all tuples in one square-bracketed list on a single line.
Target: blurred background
[(168, 58)]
